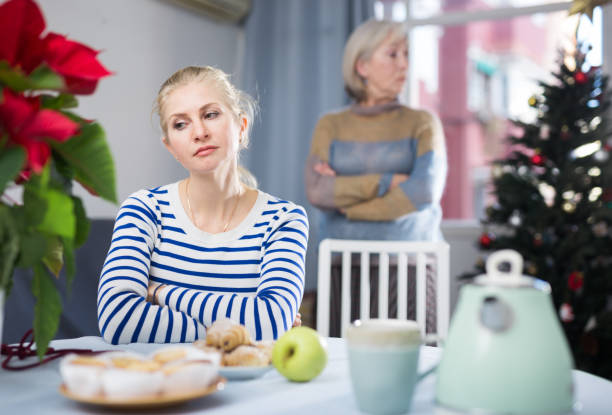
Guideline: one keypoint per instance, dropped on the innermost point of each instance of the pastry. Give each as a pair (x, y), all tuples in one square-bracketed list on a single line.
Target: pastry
[(132, 379), (81, 374), (227, 335), (188, 375), (266, 347), (246, 356), (171, 354)]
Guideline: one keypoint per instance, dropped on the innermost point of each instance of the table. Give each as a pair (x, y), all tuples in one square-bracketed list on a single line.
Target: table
[(35, 391)]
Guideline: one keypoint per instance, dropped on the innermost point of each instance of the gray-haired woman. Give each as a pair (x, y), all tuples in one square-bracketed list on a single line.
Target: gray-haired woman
[(377, 169)]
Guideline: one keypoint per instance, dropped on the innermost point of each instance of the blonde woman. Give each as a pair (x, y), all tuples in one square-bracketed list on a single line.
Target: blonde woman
[(207, 247), (377, 169)]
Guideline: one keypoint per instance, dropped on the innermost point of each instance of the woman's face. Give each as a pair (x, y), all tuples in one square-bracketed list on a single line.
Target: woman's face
[(202, 132), (385, 71)]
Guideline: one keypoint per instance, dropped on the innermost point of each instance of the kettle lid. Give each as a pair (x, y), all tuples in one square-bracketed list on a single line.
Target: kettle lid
[(512, 278)]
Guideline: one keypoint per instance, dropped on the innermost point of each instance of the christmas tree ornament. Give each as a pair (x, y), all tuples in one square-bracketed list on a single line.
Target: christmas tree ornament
[(515, 219), (537, 239), (595, 193), (548, 193), (544, 131), (601, 155), (569, 207), (600, 229), (586, 7), (486, 239), (568, 195), (591, 324), (594, 171), (566, 313), (537, 159), (564, 132), (580, 77), (532, 101), (570, 62), (595, 122), (575, 281)]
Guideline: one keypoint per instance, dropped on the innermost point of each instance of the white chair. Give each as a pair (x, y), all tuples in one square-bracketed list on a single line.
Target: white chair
[(405, 250)]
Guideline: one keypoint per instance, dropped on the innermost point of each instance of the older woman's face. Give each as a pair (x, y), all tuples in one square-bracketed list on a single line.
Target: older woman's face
[(385, 71)]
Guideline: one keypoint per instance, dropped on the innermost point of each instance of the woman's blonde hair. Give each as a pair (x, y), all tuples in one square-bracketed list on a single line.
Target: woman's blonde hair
[(361, 45), (240, 103)]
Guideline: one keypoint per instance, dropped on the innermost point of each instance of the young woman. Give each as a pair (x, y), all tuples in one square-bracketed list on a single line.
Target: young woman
[(209, 246)]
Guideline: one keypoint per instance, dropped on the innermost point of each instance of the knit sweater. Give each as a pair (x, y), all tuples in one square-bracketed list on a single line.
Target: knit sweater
[(365, 147), (252, 274)]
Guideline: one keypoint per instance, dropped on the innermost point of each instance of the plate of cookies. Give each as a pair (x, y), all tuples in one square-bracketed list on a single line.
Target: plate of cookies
[(170, 375), (241, 358)]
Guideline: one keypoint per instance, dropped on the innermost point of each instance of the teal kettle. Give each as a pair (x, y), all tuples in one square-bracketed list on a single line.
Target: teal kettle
[(505, 352)]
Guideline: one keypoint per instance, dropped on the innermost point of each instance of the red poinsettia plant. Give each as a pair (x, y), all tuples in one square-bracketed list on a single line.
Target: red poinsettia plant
[(44, 148)]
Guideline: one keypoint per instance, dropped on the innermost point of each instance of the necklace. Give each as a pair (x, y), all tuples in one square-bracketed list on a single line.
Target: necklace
[(191, 212)]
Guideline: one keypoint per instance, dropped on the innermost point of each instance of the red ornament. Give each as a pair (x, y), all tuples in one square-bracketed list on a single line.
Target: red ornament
[(575, 280), (580, 77), (485, 240), (537, 159), (537, 240)]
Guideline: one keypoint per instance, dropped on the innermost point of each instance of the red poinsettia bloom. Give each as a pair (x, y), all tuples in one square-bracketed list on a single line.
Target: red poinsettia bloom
[(75, 62), (575, 280), (21, 26), (28, 126)]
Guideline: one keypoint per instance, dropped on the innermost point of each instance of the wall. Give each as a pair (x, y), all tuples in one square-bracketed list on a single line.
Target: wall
[(142, 42)]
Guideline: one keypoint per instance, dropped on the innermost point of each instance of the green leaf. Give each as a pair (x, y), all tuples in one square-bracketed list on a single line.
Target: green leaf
[(59, 102), (59, 216), (91, 158), (43, 77), (9, 246), (14, 79), (33, 247), (69, 263), (82, 222), (54, 255), (47, 310), (11, 163), (34, 205)]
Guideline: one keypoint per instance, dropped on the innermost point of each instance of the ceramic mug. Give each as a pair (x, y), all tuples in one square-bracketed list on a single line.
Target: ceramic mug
[(383, 362)]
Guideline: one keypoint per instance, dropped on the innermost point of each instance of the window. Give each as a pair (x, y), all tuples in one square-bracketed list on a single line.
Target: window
[(476, 64)]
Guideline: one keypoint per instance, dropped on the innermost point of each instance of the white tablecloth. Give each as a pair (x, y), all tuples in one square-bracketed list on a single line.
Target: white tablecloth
[(35, 391)]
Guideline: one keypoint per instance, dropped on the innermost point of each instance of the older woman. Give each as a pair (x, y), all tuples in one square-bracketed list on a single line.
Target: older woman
[(377, 168)]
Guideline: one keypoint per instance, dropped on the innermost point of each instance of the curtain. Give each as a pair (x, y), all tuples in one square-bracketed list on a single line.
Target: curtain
[(292, 65)]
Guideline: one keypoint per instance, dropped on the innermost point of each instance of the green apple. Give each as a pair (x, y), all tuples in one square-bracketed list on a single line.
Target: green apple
[(300, 354)]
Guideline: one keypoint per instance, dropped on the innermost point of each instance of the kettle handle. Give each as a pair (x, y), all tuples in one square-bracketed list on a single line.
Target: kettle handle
[(505, 255)]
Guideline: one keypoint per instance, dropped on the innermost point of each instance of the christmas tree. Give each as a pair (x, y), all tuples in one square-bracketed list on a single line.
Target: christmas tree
[(554, 205)]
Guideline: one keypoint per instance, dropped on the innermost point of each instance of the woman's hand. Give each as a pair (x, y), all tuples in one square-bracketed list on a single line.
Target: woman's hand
[(323, 169), (298, 320), (397, 179), (154, 289)]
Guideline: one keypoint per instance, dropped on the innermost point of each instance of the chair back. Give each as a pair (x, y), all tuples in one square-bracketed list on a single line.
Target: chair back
[(407, 252)]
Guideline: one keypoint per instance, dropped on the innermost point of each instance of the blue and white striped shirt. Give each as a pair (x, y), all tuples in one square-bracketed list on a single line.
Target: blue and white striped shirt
[(253, 274)]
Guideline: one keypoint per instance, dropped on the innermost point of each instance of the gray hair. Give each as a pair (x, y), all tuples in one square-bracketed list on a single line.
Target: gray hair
[(362, 43)]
